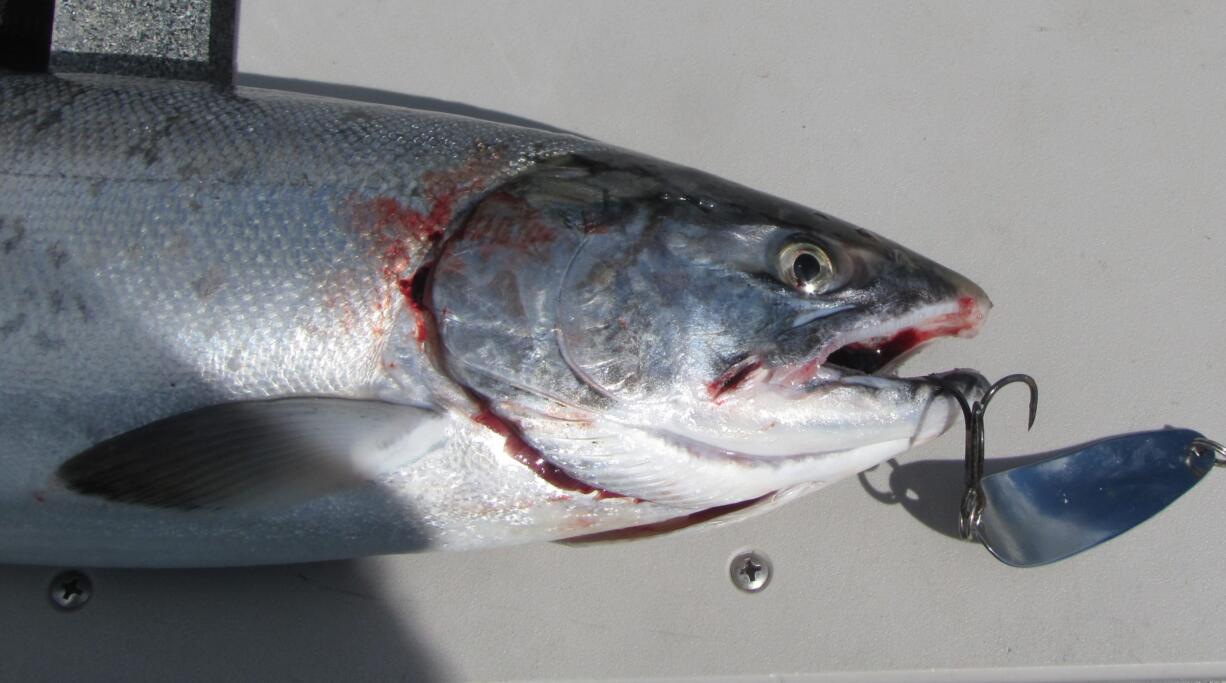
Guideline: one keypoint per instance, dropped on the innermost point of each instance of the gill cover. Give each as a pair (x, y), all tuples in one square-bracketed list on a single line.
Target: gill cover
[(561, 284)]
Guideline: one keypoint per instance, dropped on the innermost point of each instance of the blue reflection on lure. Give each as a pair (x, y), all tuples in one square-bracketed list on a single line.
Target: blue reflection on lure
[(1050, 510)]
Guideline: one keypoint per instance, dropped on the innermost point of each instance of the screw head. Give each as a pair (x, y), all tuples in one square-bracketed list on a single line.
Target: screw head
[(71, 590), (750, 571)]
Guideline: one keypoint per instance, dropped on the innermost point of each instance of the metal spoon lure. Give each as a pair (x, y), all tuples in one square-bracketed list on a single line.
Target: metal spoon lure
[(1079, 497)]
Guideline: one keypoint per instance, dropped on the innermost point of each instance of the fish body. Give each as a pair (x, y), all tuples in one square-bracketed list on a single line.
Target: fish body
[(248, 328)]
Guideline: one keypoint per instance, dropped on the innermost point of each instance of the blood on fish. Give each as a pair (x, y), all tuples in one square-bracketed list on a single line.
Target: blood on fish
[(896, 345), (414, 291), (732, 378), (968, 317), (591, 227), (399, 233), (968, 308), (507, 221), (802, 374), (522, 451), (401, 236)]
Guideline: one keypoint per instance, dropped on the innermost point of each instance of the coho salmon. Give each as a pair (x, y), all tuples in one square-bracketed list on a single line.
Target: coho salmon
[(247, 327)]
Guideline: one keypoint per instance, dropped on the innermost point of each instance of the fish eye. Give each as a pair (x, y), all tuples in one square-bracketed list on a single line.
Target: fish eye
[(806, 266)]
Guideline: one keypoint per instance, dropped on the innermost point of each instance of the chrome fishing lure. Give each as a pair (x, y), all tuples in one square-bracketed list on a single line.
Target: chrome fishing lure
[(1076, 498)]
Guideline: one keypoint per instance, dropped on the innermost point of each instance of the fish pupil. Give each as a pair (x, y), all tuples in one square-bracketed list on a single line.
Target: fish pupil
[(806, 268)]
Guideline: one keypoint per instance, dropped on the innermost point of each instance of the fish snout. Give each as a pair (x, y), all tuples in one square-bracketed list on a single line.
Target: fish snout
[(973, 303)]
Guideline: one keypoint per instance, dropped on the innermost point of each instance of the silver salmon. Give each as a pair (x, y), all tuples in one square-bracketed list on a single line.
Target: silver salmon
[(243, 327)]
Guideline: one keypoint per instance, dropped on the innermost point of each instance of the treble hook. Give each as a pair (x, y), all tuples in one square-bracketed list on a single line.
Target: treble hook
[(973, 500)]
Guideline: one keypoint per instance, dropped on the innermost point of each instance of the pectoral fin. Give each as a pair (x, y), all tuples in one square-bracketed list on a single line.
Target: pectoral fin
[(255, 453)]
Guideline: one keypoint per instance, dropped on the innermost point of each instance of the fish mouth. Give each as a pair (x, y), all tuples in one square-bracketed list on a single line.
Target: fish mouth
[(785, 425)]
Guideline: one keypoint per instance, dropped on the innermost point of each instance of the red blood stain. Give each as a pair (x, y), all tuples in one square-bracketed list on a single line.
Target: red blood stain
[(674, 524), (414, 291), (401, 232), (40, 496), (896, 345), (508, 221), (732, 378), (424, 226), (522, 451), (968, 318)]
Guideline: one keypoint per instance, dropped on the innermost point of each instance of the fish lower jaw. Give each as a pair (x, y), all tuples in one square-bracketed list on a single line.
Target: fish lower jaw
[(739, 478), (772, 444)]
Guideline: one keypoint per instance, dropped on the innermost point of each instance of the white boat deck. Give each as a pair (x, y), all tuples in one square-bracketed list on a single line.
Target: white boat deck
[(1070, 158)]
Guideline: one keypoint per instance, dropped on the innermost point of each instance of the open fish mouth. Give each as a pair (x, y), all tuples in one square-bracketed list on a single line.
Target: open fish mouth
[(876, 350), (883, 349)]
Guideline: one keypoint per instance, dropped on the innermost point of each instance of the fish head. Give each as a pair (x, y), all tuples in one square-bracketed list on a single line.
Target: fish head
[(664, 334)]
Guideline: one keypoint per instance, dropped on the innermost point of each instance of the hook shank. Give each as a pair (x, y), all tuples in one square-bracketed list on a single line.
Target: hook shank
[(972, 414)]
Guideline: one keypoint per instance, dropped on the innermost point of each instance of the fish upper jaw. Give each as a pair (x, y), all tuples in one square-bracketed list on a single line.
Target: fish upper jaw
[(876, 349), (879, 349)]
